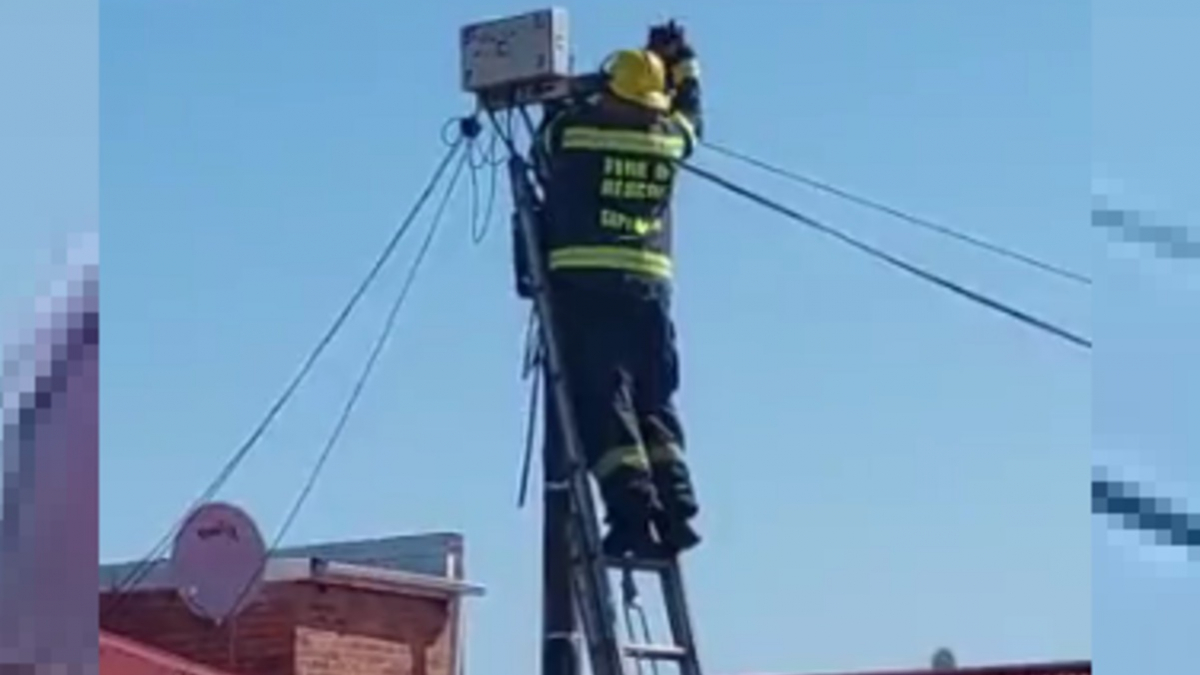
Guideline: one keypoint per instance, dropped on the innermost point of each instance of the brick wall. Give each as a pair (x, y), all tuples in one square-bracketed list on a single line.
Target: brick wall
[(365, 632), (299, 628), (259, 642)]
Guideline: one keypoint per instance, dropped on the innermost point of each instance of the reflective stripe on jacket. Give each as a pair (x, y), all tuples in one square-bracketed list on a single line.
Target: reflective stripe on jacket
[(609, 184)]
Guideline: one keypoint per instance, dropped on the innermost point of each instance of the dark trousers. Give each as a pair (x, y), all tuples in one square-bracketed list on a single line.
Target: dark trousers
[(622, 368)]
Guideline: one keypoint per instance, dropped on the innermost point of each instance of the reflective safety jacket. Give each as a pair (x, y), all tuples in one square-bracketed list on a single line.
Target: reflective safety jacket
[(608, 175)]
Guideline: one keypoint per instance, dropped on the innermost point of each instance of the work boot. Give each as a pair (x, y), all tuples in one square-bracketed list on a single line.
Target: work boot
[(630, 502), (630, 537), (679, 508), (675, 534)]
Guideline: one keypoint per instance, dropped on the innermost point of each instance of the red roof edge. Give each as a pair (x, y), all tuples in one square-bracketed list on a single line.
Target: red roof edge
[(122, 656), (1057, 668)]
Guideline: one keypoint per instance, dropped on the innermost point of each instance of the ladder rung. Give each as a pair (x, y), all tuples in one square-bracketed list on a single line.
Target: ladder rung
[(656, 652), (639, 564)]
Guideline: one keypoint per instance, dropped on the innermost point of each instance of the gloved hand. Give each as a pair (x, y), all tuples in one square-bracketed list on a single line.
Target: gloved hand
[(670, 43)]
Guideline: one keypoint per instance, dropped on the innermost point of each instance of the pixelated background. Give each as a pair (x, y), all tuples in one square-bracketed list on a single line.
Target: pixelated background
[(49, 189), (1147, 316), (50, 444)]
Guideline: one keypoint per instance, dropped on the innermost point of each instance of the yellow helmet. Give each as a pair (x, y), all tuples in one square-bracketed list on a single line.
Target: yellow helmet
[(639, 76)]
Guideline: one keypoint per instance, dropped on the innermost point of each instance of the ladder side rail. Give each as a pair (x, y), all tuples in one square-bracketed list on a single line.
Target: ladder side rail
[(557, 377), (679, 616), (591, 577)]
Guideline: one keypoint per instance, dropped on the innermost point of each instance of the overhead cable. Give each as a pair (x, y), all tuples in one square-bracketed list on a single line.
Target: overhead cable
[(1125, 502), (976, 297), (490, 158), (368, 368), (1134, 510), (1169, 241), (147, 563), (483, 156), (904, 216)]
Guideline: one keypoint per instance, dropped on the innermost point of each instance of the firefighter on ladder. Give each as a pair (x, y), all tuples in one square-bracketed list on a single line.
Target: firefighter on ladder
[(607, 166)]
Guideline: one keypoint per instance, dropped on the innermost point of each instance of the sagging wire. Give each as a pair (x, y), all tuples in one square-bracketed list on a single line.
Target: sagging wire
[(143, 567), (1134, 510), (360, 385), (481, 156), (974, 296), (491, 159), (904, 216)]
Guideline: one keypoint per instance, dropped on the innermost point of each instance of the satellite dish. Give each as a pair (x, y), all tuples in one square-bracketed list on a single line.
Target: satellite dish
[(217, 561), (943, 660)]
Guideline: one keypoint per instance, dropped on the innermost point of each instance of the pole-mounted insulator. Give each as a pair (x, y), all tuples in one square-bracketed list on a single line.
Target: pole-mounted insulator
[(470, 127)]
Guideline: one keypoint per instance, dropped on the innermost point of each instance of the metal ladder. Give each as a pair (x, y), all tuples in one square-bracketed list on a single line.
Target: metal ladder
[(682, 649), (590, 581)]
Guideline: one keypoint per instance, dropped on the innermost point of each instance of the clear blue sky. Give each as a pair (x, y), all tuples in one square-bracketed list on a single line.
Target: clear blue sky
[(886, 468), (1144, 132), (49, 187)]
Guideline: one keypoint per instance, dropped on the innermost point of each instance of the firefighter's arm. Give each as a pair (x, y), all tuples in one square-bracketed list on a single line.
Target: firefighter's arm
[(670, 43), (685, 75), (686, 106)]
